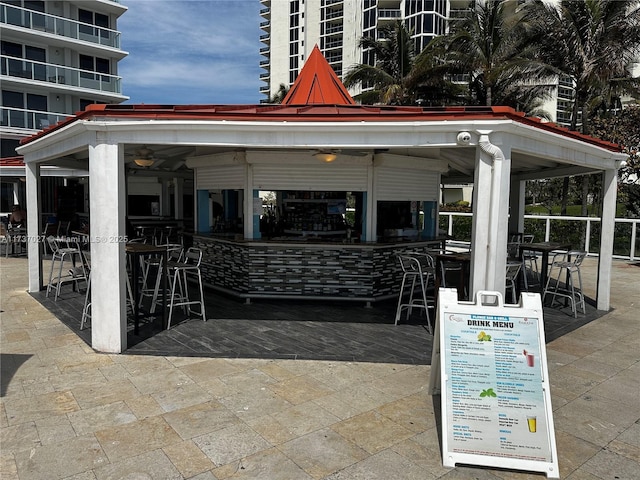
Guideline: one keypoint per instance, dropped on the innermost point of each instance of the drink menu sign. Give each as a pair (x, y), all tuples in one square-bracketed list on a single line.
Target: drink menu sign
[(491, 362)]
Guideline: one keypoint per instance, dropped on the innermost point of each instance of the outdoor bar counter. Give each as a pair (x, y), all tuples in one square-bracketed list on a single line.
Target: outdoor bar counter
[(293, 269)]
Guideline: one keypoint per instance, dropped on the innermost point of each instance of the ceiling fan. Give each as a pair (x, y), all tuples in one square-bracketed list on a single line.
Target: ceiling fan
[(328, 155), (143, 157)]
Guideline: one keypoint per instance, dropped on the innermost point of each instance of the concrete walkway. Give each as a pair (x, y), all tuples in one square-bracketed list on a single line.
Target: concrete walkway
[(67, 412)]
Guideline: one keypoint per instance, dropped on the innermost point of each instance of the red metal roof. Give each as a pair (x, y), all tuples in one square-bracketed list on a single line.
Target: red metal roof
[(317, 83), (11, 162)]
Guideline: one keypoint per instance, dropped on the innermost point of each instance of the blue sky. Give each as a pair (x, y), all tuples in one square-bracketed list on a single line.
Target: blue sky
[(191, 51)]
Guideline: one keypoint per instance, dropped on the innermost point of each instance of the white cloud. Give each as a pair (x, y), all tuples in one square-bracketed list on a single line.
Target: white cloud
[(210, 45)]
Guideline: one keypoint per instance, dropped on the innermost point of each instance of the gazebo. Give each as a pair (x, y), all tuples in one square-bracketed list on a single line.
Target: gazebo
[(385, 152)]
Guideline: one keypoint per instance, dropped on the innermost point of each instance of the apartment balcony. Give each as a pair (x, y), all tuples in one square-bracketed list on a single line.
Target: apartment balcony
[(29, 119), (389, 14), (264, 76), (265, 50), (52, 24), (265, 37), (265, 24), (265, 12), (265, 62), (333, 42), (48, 74), (333, 14), (333, 29)]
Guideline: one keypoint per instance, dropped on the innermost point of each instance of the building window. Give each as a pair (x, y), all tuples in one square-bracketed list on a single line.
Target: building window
[(92, 18), (23, 110), (94, 64)]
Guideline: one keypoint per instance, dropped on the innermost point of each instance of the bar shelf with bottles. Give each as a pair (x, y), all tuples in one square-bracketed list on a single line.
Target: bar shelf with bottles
[(308, 213)]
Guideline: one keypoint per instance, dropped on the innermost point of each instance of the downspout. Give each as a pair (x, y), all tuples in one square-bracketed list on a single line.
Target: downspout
[(494, 265)]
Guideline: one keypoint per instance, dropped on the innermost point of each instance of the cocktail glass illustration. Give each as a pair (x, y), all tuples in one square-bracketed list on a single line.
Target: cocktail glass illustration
[(532, 423), (530, 359)]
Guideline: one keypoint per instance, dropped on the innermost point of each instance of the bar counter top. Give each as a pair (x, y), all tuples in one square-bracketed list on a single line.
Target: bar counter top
[(305, 269), (313, 240)]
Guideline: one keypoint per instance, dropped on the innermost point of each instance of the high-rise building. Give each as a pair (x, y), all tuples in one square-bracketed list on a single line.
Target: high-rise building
[(294, 27), (57, 58)]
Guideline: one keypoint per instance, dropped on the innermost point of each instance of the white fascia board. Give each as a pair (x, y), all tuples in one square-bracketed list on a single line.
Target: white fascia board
[(283, 134), (45, 171), (65, 141), (545, 144)]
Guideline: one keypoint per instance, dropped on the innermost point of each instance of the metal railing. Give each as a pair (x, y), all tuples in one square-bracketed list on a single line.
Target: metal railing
[(32, 119), (59, 74), (22, 17), (384, 13), (583, 232)]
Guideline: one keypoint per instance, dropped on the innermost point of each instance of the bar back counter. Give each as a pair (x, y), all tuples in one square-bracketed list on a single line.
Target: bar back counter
[(366, 272)]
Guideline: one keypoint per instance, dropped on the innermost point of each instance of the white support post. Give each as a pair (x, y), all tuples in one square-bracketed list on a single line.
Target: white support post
[(33, 226), (609, 194), (108, 265), (490, 219)]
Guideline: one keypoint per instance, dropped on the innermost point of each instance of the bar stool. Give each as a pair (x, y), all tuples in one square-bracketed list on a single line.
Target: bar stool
[(174, 257), (511, 277), (181, 272), (152, 264), (529, 262), (417, 269), (569, 264), (59, 256), (86, 310), (455, 268)]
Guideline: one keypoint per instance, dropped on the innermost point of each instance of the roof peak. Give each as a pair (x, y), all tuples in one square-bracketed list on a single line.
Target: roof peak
[(317, 83)]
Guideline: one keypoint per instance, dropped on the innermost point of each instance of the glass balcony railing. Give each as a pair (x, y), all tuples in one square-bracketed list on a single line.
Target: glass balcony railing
[(60, 75), (31, 119), (22, 17)]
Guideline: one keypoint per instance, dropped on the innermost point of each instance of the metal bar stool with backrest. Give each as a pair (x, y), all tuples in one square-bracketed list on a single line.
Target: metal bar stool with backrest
[(180, 273), (529, 262), (151, 267), (567, 263), (86, 310), (174, 257), (71, 252), (417, 270), (453, 268), (511, 277)]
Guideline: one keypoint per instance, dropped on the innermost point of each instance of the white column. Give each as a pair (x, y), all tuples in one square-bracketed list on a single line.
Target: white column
[(33, 226), (490, 218), (609, 194), (108, 266)]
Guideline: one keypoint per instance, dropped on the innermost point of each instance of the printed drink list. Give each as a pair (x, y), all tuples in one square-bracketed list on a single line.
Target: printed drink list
[(494, 385)]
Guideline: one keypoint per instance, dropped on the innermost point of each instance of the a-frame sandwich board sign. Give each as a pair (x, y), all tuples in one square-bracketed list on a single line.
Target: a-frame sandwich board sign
[(489, 365)]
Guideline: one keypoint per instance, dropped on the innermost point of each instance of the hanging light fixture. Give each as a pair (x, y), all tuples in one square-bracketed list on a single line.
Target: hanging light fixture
[(144, 157), (326, 156)]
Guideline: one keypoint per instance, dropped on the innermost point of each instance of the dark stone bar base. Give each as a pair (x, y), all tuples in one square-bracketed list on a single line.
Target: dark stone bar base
[(255, 269)]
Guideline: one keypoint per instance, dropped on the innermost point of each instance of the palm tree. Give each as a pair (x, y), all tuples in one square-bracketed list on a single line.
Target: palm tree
[(491, 46), (394, 57), (278, 97), (592, 42)]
